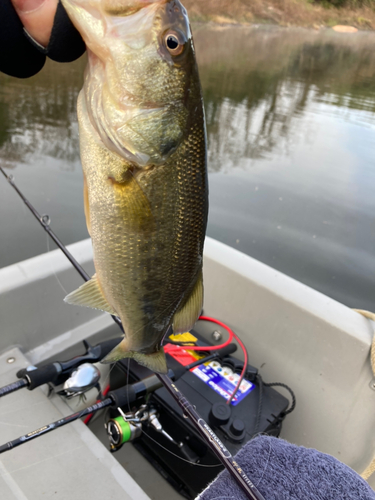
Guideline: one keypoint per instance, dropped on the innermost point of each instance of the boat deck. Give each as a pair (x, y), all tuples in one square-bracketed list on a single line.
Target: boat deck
[(294, 334), (67, 463)]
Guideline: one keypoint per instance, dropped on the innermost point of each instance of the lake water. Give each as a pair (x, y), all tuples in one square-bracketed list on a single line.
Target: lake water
[(290, 121)]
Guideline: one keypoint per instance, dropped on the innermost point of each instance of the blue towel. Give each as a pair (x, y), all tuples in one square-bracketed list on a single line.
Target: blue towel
[(284, 471)]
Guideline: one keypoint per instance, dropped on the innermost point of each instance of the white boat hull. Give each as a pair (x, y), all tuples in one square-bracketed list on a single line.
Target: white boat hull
[(295, 335)]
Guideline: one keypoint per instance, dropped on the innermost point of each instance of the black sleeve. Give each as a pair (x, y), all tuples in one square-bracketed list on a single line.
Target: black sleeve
[(66, 44), (17, 56), (22, 56)]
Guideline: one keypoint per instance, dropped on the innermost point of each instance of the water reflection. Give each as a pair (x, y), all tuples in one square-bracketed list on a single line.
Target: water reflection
[(38, 116), (290, 120), (258, 82), (291, 150)]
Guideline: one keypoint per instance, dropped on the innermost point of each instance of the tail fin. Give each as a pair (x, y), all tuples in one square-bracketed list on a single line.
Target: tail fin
[(155, 361)]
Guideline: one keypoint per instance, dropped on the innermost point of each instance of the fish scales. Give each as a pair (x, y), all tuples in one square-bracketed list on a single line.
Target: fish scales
[(143, 151), (161, 264)]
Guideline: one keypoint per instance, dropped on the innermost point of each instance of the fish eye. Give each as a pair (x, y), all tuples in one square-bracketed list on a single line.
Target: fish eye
[(173, 44)]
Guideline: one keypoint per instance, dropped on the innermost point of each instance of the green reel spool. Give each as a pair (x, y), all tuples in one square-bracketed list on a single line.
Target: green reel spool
[(119, 431)]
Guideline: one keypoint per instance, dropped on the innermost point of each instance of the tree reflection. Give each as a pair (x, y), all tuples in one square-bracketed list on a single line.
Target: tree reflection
[(38, 115), (258, 81)]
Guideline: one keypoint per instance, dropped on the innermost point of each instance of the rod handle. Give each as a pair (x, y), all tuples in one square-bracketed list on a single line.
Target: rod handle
[(40, 376), (129, 393)]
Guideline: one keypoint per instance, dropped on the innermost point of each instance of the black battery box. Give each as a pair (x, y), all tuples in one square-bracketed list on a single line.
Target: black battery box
[(187, 463)]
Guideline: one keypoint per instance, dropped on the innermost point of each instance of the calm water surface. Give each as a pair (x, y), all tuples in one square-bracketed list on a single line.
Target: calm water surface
[(291, 122)]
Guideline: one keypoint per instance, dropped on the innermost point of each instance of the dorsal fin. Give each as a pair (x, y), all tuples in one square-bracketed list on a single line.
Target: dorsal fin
[(90, 295), (185, 318)]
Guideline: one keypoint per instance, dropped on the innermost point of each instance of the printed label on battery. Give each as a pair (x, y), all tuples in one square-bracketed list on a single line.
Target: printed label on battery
[(223, 384)]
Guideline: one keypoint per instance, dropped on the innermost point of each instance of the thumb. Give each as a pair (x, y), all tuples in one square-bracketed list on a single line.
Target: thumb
[(37, 17)]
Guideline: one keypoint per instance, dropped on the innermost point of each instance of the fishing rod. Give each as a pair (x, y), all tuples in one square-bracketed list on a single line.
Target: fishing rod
[(58, 371), (13, 387), (202, 427), (55, 425), (45, 221), (115, 399), (222, 453)]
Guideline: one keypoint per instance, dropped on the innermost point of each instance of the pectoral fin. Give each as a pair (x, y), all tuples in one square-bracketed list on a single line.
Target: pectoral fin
[(90, 295), (187, 315), (155, 361), (134, 204)]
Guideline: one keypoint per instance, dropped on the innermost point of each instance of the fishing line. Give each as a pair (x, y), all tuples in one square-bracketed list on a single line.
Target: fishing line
[(106, 380), (127, 383), (177, 456), (53, 270), (242, 480), (87, 420), (152, 439), (91, 415)]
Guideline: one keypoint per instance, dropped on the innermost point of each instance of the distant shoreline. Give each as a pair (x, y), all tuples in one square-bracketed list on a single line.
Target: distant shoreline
[(303, 13)]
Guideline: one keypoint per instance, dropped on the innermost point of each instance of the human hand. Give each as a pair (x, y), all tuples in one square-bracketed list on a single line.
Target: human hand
[(37, 17)]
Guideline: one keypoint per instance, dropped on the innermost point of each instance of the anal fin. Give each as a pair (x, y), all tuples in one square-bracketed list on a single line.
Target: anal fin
[(90, 295), (185, 318)]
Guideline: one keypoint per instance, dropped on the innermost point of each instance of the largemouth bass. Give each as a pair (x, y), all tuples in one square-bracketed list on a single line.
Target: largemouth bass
[(143, 152)]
